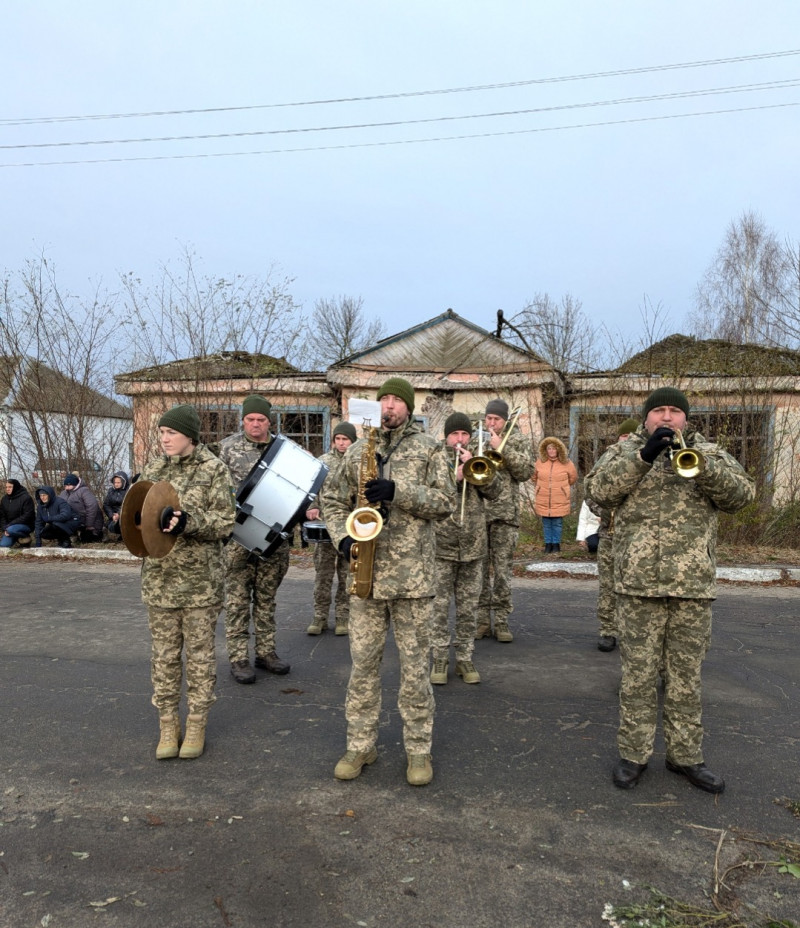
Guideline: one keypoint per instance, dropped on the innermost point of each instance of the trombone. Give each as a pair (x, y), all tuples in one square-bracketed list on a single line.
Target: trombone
[(495, 455), (686, 462)]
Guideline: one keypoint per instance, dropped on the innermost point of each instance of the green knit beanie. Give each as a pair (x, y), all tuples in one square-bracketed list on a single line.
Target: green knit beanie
[(457, 422), (183, 419), (628, 427), (399, 387), (347, 429), (666, 396), (256, 404)]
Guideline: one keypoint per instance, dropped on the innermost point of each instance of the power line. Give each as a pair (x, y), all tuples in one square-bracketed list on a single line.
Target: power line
[(449, 138), (678, 95), (593, 75)]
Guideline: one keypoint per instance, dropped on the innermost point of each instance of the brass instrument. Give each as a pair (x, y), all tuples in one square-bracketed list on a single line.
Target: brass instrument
[(479, 470), (495, 455), (364, 523), (686, 462)]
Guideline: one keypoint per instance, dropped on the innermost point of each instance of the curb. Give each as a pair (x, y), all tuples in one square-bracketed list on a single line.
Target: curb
[(753, 575)]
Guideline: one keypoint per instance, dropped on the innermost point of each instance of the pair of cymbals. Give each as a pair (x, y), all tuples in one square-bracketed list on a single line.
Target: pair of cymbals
[(140, 518)]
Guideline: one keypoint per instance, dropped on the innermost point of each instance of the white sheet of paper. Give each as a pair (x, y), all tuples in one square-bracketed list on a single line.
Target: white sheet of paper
[(364, 412)]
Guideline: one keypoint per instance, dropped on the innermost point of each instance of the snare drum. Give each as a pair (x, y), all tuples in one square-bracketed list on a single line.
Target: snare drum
[(274, 496), (315, 532)]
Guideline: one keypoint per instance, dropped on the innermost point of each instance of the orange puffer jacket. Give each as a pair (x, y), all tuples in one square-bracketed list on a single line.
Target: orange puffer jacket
[(553, 479)]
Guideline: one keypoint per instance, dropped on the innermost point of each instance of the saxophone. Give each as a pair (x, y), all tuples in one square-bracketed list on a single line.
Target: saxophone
[(364, 523)]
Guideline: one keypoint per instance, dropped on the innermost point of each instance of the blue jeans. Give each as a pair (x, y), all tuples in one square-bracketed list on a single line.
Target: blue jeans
[(12, 533), (551, 525)]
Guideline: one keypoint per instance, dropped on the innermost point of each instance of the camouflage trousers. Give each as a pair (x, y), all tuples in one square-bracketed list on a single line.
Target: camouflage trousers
[(172, 631), (327, 564), (606, 598), (251, 586), (461, 579), (369, 624), (496, 590), (680, 629)]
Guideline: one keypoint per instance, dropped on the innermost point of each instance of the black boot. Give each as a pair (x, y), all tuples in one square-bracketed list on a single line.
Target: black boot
[(548, 548), (556, 549)]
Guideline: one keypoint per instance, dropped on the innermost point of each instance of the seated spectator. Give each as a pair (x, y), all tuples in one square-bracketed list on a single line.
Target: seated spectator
[(55, 518), (17, 515), (84, 502), (112, 504)]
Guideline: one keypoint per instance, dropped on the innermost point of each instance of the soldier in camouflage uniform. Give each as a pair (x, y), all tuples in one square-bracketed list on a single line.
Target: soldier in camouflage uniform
[(328, 562), (460, 555), (502, 524), (251, 583), (665, 535), (184, 591), (606, 598), (416, 489)]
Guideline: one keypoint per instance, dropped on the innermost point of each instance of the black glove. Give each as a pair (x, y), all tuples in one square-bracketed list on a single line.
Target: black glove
[(379, 491), (166, 515), (657, 443), (344, 547)]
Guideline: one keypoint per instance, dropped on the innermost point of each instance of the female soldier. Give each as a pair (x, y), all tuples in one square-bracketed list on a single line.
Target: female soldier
[(184, 591)]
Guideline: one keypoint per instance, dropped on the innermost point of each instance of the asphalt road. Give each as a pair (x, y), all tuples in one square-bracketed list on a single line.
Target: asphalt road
[(520, 827)]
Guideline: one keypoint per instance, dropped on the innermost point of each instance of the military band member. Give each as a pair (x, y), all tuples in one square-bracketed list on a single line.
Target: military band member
[(328, 561), (665, 534), (460, 554), (184, 591), (502, 524), (251, 582), (416, 489)]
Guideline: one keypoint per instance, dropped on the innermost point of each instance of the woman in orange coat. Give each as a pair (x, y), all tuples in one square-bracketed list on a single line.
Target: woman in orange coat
[(554, 474)]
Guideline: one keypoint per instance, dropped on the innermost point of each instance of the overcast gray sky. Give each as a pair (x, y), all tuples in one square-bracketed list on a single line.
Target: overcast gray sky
[(450, 206)]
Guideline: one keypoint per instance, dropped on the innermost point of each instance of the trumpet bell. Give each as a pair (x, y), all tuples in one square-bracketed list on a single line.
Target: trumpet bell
[(688, 463), (364, 524), (479, 471), (495, 458)]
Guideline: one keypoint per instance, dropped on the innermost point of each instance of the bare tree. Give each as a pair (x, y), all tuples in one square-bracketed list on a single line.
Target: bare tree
[(559, 332), (185, 314), (341, 329), (738, 298), (56, 378)]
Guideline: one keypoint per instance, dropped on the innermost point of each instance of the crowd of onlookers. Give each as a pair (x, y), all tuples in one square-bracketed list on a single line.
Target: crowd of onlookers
[(73, 515)]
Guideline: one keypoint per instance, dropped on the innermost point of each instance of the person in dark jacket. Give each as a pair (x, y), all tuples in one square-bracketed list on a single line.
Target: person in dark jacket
[(17, 514), (55, 518), (84, 502), (112, 504)]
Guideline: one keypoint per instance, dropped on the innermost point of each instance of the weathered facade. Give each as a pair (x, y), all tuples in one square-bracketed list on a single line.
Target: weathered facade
[(452, 364)]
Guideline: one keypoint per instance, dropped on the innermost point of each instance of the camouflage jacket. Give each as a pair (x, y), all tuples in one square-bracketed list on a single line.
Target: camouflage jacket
[(518, 463), (424, 493), (192, 574), (241, 454), (465, 541), (333, 459), (665, 526)]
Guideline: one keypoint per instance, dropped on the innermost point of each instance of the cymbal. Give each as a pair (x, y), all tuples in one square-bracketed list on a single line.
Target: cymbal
[(130, 517), (140, 518), (158, 542)]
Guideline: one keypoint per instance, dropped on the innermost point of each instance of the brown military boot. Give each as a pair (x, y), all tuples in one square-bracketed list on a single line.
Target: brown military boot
[(195, 739), (317, 627), (170, 737), (272, 663), (484, 630), (502, 632), (342, 627)]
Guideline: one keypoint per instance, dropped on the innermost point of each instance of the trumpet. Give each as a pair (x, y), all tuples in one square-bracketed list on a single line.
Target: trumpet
[(495, 455), (479, 470), (686, 462)]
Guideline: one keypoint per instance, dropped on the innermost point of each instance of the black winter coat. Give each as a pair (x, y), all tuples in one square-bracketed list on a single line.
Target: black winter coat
[(18, 508)]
